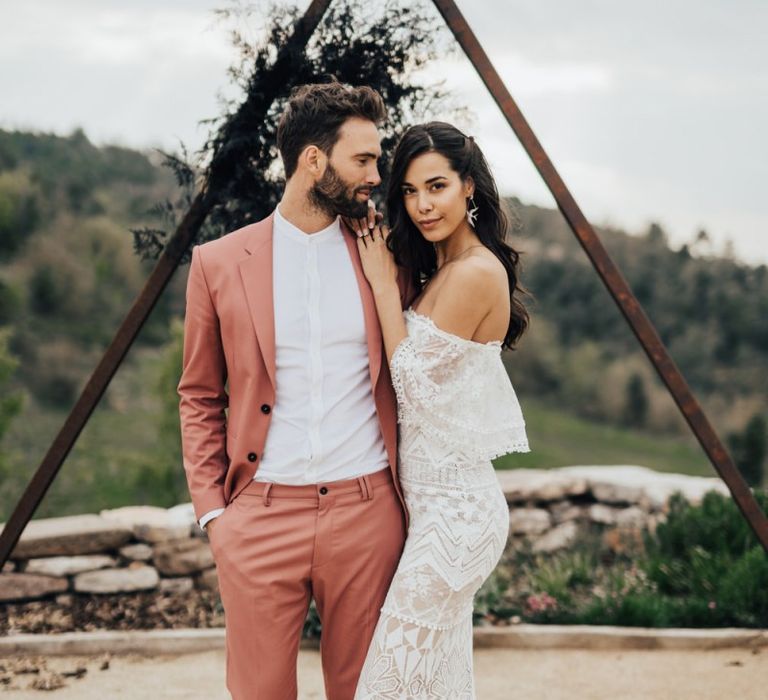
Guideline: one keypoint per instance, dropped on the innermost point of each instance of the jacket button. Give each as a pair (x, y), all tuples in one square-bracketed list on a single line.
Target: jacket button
[(323, 490), (251, 456), (265, 408)]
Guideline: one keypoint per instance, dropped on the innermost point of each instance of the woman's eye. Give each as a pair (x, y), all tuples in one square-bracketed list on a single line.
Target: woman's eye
[(437, 185)]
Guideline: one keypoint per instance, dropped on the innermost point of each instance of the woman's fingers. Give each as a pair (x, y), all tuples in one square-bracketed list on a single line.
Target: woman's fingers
[(355, 224), (362, 236), (358, 227), (380, 232)]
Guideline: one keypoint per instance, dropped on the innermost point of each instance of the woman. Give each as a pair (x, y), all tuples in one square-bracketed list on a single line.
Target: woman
[(456, 406)]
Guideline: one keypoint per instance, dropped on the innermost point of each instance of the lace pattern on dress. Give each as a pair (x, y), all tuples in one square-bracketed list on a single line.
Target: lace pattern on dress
[(457, 410), (456, 391)]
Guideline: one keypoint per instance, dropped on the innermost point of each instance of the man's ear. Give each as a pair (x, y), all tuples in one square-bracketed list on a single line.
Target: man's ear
[(314, 160)]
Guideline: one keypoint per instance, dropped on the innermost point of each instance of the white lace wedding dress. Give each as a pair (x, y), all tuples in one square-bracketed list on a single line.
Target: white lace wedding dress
[(457, 410)]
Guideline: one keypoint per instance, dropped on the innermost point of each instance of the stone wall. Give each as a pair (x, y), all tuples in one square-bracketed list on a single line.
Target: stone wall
[(145, 548)]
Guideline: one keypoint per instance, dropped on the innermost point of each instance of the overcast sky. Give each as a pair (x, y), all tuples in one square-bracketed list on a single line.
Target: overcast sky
[(652, 111)]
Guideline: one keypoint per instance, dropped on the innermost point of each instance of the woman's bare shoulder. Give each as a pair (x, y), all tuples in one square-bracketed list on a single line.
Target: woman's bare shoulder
[(481, 275)]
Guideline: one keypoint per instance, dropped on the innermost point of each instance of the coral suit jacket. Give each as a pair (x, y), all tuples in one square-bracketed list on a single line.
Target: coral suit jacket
[(227, 386)]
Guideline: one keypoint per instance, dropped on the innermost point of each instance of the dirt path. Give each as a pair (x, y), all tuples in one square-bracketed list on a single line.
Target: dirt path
[(500, 675)]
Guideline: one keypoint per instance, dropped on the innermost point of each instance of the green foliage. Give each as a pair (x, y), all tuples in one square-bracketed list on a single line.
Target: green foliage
[(647, 609), (749, 450), (160, 478), (743, 592), (313, 627), (10, 402), (9, 302), (46, 290), (489, 600), (702, 567), (709, 312), (69, 170), (693, 548), (557, 576), (709, 555), (169, 374), (636, 406), (19, 212)]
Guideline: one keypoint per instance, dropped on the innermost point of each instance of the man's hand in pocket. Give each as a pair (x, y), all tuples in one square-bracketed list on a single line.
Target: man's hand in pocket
[(210, 525)]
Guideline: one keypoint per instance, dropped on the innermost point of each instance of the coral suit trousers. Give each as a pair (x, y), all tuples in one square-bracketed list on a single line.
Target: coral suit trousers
[(276, 546)]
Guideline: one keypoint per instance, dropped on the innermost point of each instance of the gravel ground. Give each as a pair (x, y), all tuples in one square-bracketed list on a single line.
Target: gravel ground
[(500, 674)]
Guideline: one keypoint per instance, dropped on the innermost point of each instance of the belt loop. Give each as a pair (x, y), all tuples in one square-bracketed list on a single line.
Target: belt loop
[(265, 496), (368, 487), (363, 488)]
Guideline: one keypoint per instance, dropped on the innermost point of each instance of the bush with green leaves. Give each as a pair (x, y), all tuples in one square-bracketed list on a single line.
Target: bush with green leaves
[(708, 558), (702, 567)]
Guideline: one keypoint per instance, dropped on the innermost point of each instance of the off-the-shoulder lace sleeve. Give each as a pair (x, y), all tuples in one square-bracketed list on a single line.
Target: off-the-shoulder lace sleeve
[(457, 391)]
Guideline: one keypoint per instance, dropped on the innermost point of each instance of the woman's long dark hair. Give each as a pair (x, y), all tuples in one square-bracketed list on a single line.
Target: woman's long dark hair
[(412, 251)]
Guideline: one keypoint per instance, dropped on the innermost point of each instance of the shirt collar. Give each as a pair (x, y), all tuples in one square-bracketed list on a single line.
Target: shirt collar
[(285, 228)]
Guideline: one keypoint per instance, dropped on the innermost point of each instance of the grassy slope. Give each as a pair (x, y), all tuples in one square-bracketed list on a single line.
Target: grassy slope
[(559, 439), (100, 471)]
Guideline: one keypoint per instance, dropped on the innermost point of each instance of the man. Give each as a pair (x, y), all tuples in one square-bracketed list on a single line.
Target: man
[(296, 485)]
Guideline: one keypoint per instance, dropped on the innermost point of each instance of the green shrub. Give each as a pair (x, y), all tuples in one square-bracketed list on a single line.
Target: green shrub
[(743, 593), (749, 449), (707, 559), (489, 600), (559, 575), (650, 609)]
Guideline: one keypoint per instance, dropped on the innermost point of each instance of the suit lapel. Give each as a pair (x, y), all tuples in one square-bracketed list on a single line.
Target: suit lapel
[(257, 278), (256, 275), (372, 327)]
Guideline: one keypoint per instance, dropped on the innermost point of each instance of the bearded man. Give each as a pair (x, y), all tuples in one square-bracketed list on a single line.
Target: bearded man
[(288, 415)]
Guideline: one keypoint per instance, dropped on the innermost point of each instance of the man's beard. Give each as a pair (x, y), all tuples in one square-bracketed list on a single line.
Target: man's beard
[(331, 195)]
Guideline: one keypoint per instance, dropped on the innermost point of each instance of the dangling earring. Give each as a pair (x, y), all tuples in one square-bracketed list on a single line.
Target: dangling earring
[(472, 213)]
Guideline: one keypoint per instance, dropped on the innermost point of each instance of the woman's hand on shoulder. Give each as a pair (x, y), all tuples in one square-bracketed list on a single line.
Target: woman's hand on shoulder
[(468, 294), (377, 260)]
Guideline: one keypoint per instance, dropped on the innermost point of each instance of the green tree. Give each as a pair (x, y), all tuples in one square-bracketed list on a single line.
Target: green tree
[(636, 407), (748, 449), (9, 302), (19, 213), (11, 403)]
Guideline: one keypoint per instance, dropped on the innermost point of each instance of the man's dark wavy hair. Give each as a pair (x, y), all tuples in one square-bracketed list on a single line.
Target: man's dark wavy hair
[(315, 112)]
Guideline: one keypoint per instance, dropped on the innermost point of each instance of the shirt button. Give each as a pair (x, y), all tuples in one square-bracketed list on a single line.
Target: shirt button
[(251, 456), (323, 490), (265, 408)]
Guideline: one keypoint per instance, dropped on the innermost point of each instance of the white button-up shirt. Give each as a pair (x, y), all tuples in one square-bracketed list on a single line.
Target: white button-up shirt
[(324, 425)]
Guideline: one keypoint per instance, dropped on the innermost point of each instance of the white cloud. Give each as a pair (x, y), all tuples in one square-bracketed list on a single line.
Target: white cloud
[(523, 77)]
